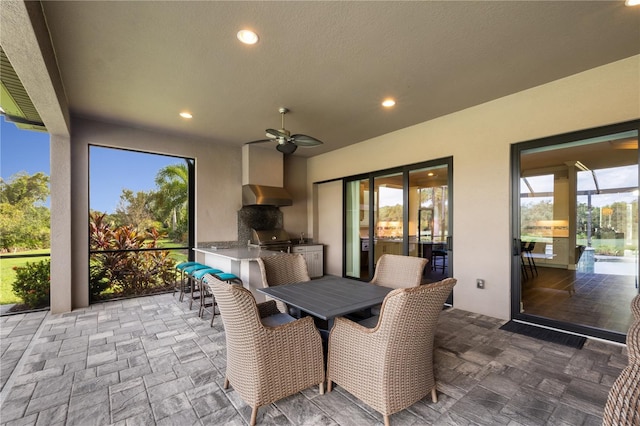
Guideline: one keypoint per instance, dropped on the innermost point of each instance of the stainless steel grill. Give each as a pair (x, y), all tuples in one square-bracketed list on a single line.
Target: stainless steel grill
[(271, 239)]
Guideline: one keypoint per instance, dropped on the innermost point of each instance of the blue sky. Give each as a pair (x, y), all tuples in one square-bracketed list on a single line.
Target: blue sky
[(111, 170)]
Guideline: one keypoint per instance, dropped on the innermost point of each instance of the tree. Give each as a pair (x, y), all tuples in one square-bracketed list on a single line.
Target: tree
[(136, 209), (24, 218), (172, 198), (23, 188)]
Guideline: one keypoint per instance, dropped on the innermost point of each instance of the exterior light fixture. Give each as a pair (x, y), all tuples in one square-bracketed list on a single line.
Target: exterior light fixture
[(185, 114), (388, 103), (248, 37)]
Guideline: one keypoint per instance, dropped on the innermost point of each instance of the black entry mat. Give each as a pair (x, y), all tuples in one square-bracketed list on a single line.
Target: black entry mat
[(545, 334)]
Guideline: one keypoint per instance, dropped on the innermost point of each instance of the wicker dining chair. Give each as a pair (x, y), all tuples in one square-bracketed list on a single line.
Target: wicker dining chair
[(635, 307), (396, 271), (265, 364), (390, 366), (285, 268), (623, 402), (633, 342)]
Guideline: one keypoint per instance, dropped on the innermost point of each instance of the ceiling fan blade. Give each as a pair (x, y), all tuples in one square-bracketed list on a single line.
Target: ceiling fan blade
[(304, 140), (259, 141), (276, 134), (287, 148)]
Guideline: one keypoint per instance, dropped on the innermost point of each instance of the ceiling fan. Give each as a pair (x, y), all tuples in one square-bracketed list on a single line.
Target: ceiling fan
[(287, 143)]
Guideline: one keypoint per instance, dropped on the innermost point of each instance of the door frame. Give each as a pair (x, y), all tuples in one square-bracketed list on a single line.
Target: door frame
[(516, 293), (405, 170)]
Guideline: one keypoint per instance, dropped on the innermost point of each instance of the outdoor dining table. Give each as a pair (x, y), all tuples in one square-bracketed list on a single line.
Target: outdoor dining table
[(329, 296)]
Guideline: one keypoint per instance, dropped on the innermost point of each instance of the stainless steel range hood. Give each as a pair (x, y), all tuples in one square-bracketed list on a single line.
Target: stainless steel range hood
[(262, 195)]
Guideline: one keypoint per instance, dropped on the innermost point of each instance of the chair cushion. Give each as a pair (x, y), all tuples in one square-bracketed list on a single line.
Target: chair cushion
[(276, 320), (201, 272), (180, 266), (370, 322), (193, 268), (225, 276)]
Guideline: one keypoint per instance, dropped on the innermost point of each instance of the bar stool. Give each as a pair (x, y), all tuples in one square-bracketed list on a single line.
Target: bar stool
[(180, 268), (196, 283), (438, 253), (186, 275), (206, 292)]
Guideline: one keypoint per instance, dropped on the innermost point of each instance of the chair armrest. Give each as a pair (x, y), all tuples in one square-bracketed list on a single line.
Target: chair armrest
[(302, 330), (294, 349), (267, 308), (351, 327)]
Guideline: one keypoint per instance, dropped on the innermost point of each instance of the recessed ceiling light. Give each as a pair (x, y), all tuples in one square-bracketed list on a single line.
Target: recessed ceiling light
[(388, 103), (247, 37), (185, 114), (632, 2)]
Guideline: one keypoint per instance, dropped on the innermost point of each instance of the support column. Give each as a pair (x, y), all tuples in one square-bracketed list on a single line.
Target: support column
[(61, 243)]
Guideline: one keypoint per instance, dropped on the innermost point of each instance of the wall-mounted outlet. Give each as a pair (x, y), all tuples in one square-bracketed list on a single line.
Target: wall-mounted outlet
[(479, 283)]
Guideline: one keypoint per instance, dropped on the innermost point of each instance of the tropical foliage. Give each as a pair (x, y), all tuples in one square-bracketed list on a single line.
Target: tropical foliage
[(117, 268), (32, 283), (24, 217), (172, 200)]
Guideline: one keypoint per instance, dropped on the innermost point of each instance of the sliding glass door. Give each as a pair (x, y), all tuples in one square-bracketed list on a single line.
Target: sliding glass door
[(576, 236), (404, 211)]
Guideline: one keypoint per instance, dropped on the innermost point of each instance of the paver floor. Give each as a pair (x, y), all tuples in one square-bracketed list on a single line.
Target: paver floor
[(151, 360)]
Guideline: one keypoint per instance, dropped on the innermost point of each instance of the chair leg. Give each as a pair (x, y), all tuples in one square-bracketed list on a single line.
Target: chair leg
[(434, 395), (329, 383), (321, 386), (213, 310), (386, 419), (193, 290), (254, 415), (226, 383)]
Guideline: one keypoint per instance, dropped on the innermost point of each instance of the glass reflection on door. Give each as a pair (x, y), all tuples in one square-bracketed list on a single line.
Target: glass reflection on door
[(357, 229), (429, 219), (388, 209), (579, 231)]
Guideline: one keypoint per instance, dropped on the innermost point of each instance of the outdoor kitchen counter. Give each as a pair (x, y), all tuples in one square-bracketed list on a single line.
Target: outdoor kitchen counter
[(240, 261)]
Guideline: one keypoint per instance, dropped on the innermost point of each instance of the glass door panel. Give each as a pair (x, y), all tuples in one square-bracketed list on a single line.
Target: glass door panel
[(388, 211), (429, 219), (357, 229), (577, 248)]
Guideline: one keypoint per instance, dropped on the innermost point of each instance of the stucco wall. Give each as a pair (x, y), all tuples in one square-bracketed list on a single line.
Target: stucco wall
[(479, 140), (218, 185)]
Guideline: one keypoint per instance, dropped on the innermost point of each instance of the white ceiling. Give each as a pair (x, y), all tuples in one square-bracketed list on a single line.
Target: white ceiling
[(330, 63)]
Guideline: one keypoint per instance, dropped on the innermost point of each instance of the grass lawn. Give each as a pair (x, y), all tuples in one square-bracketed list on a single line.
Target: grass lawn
[(8, 275)]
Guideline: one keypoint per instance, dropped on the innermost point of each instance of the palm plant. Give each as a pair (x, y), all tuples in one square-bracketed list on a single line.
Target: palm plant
[(172, 197)]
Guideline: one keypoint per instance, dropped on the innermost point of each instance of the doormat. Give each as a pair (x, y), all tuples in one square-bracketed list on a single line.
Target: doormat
[(545, 334)]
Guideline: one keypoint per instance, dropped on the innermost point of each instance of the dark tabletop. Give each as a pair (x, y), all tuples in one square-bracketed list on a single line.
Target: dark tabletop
[(329, 296)]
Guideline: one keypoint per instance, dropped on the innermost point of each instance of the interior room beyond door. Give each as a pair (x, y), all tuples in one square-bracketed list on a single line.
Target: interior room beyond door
[(577, 248)]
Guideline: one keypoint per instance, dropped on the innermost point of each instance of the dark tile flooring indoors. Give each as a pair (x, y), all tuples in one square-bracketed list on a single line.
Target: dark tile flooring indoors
[(151, 360), (595, 300)]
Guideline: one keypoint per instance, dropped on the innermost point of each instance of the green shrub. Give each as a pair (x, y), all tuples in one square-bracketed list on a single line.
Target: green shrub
[(32, 283), (126, 272)]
